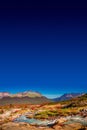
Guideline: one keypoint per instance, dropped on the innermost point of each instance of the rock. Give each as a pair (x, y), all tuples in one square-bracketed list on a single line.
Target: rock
[(26, 126), (29, 116), (61, 120), (73, 126), (57, 127), (15, 126)]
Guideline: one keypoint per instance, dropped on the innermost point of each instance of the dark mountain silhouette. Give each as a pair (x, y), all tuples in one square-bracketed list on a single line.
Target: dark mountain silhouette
[(68, 96)]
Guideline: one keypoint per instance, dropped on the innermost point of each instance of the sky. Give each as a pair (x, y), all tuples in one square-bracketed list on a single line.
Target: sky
[(43, 47)]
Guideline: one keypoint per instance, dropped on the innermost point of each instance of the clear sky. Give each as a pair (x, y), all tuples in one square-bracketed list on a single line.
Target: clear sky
[(43, 47)]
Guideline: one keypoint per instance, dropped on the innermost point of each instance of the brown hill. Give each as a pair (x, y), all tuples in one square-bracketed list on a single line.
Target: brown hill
[(23, 100), (76, 102)]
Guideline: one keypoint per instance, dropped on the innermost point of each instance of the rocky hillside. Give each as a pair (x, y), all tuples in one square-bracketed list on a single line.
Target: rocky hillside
[(23, 100), (20, 94), (27, 97), (80, 101)]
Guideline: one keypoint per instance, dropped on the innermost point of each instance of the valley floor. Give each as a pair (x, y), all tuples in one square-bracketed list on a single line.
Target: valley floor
[(42, 112)]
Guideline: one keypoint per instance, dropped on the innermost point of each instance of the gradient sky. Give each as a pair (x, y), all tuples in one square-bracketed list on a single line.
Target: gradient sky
[(43, 47)]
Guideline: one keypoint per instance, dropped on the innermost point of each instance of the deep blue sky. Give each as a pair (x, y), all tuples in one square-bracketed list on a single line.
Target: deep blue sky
[(43, 47)]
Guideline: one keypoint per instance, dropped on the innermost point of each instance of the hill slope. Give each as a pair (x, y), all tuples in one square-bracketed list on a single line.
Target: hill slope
[(80, 101), (23, 100), (27, 97)]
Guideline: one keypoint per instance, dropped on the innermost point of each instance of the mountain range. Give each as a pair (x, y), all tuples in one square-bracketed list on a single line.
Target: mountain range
[(20, 94), (27, 97), (32, 97), (68, 96)]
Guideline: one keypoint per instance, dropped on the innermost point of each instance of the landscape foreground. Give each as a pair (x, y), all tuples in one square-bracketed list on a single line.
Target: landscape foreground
[(63, 115)]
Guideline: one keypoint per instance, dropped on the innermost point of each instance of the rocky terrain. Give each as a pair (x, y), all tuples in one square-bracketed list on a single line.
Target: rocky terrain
[(69, 115), (26, 126), (27, 97)]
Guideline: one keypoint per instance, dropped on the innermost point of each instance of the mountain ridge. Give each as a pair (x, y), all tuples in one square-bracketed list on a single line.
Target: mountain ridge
[(21, 94), (68, 96), (27, 97)]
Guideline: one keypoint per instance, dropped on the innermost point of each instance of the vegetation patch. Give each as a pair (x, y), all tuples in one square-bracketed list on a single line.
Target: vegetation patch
[(46, 114)]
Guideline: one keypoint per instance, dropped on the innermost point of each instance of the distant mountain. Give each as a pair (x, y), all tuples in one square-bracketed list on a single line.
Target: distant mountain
[(80, 101), (22, 94), (27, 94), (27, 97), (23, 100), (4, 94), (68, 96)]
